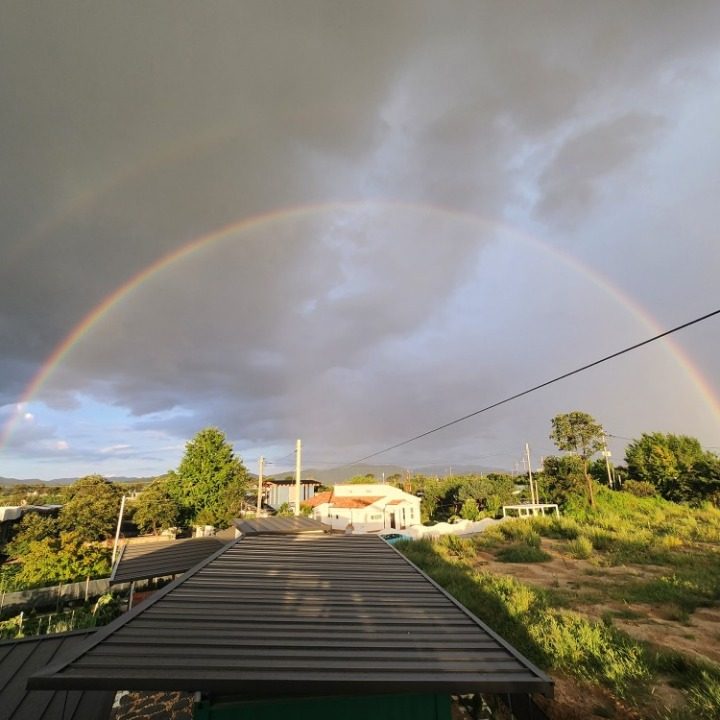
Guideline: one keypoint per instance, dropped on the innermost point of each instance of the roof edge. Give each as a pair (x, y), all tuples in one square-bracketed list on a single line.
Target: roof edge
[(41, 680)]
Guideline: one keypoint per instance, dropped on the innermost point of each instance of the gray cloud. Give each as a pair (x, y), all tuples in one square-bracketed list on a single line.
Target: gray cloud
[(128, 131)]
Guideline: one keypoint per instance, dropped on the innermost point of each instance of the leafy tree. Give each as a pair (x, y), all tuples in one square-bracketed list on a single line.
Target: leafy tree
[(66, 557), (563, 477), (676, 465), (91, 509), (155, 508), (490, 492), (469, 510), (579, 433), (31, 528), (367, 479), (209, 476)]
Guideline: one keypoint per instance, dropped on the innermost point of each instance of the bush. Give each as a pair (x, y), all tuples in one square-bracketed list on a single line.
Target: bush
[(640, 488), (580, 548), (558, 527)]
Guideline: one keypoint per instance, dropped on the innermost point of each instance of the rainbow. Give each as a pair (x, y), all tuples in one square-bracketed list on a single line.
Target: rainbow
[(295, 213)]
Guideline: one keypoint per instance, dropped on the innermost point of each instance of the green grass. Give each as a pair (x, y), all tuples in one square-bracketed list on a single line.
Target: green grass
[(679, 546), (521, 553), (554, 638), (580, 548)]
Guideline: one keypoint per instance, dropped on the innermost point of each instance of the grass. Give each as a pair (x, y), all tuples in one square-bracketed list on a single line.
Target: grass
[(554, 638), (580, 548), (521, 553), (676, 553)]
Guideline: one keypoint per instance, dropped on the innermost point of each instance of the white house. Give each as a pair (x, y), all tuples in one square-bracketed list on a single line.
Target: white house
[(367, 508)]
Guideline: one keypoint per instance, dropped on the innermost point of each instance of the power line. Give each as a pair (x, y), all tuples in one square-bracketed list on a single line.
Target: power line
[(539, 387)]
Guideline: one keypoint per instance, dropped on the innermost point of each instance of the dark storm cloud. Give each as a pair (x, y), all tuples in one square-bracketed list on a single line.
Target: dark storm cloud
[(577, 172), (129, 130)]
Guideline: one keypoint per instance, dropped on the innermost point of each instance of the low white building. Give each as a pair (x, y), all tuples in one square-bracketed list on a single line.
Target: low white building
[(366, 508)]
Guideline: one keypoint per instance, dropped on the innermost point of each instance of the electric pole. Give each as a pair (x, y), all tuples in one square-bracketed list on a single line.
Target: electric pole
[(606, 453), (298, 465), (533, 499), (261, 465)]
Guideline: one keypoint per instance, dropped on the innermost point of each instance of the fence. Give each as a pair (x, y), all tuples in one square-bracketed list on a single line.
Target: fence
[(47, 596)]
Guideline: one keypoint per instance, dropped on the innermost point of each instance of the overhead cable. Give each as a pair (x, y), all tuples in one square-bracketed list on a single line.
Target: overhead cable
[(538, 387)]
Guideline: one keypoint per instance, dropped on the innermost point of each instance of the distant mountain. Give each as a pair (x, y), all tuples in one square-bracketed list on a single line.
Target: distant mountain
[(69, 481), (333, 476)]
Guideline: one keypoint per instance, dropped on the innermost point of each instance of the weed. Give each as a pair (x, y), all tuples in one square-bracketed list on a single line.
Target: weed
[(581, 548)]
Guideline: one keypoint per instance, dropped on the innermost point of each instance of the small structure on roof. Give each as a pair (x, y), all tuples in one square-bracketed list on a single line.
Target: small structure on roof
[(367, 508), (279, 526), (277, 491)]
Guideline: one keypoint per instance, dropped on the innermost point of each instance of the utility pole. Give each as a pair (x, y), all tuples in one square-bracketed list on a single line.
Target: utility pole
[(117, 532), (533, 499), (606, 453), (261, 465), (298, 466)]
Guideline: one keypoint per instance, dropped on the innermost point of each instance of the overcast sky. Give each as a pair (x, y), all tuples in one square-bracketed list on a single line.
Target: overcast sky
[(457, 201)]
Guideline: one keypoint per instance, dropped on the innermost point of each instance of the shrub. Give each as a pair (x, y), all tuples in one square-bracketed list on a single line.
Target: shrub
[(461, 548), (520, 530), (640, 488), (581, 548)]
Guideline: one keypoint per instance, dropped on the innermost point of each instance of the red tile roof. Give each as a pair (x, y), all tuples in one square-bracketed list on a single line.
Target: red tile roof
[(359, 501), (318, 499)]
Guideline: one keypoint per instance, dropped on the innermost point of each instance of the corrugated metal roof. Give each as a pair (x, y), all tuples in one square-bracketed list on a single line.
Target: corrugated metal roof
[(279, 526), (141, 561), (21, 658), (300, 616)]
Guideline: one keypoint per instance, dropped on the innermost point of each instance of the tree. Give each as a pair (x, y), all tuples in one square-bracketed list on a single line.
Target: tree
[(91, 509), (208, 476), (579, 433), (155, 508), (563, 477), (677, 465), (62, 558), (31, 528)]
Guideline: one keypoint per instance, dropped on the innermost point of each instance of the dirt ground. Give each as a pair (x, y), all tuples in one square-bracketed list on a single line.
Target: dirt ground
[(585, 585)]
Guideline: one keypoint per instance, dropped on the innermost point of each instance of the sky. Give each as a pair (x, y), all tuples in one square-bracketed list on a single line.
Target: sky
[(351, 223)]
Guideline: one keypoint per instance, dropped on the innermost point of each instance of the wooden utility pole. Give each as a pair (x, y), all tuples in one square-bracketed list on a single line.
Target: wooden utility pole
[(606, 453), (298, 466), (533, 498), (117, 532), (261, 465)]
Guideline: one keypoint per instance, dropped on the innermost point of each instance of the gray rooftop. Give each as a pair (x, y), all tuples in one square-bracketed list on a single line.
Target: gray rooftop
[(143, 561), (21, 658), (301, 615), (279, 526)]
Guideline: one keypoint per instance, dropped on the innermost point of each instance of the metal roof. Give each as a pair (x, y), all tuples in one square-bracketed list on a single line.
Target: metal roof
[(141, 561), (300, 616), (279, 526), (21, 658)]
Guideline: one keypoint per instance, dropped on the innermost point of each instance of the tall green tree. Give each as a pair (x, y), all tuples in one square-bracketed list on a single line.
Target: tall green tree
[(209, 477), (581, 434), (155, 508), (91, 509), (562, 478), (677, 465)]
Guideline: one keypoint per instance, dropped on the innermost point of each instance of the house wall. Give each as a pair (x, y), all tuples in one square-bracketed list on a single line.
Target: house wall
[(372, 518)]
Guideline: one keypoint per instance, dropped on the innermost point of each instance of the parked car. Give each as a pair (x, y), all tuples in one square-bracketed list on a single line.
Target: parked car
[(393, 538)]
